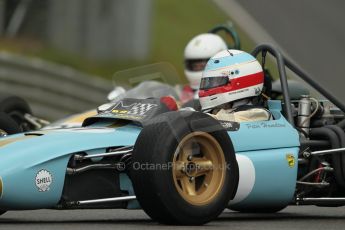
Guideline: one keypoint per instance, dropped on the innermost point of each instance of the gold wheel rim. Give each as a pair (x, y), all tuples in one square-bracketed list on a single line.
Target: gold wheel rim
[(199, 168)]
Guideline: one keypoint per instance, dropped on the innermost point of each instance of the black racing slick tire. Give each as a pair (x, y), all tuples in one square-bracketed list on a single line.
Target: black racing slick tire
[(184, 169), (8, 125), (16, 108), (9, 103)]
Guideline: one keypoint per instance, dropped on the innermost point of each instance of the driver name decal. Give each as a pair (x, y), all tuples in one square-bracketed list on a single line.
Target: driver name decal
[(265, 125)]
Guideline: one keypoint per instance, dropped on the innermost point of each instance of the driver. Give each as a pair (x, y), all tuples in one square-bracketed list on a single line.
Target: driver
[(231, 86), (196, 54)]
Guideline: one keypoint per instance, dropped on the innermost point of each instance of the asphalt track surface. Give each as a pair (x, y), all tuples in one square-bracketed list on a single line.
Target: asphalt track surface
[(306, 217), (312, 32)]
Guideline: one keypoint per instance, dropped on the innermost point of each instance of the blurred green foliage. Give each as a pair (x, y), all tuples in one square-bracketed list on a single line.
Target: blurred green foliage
[(174, 23)]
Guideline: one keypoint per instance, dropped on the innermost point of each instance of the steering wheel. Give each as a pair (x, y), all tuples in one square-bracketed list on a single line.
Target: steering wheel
[(230, 30)]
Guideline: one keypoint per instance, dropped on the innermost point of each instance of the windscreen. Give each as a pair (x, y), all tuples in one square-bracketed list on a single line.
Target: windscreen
[(148, 81)]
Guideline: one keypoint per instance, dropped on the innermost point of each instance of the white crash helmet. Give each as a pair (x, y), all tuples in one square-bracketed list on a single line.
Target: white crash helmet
[(229, 76), (196, 54)]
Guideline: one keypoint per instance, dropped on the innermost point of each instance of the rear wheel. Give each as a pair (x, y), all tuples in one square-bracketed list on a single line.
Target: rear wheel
[(8, 125), (184, 169), (16, 108)]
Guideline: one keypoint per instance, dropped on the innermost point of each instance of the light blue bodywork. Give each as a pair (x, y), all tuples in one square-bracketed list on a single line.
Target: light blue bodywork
[(266, 144), (20, 161)]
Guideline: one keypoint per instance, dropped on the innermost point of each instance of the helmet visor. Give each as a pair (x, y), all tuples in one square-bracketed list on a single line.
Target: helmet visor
[(195, 64), (213, 82)]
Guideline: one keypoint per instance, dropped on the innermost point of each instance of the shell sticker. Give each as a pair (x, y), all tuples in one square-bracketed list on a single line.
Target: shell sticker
[(290, 160), (43, 180)]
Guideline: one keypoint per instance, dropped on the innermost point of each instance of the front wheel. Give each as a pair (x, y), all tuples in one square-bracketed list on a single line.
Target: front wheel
[(184, 169)]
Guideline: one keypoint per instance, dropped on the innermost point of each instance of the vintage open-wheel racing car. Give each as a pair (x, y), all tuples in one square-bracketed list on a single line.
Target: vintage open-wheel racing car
[(183, 167)]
